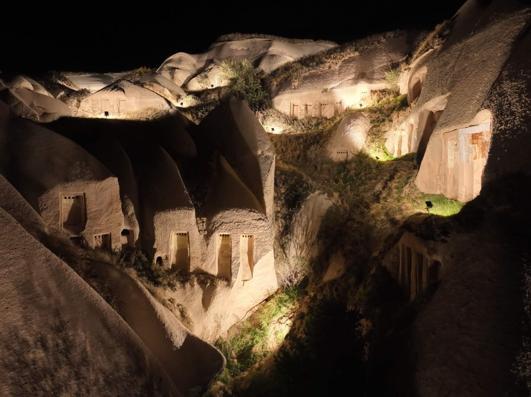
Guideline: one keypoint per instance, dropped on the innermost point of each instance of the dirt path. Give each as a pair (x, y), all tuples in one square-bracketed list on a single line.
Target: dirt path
[(191, 364)]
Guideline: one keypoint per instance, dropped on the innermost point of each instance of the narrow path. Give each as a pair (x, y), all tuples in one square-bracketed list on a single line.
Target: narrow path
[(193, 364)]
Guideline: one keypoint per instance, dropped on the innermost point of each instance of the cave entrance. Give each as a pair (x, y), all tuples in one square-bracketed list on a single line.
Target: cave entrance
[(103, 241), (429, 122), (180, 250), (415, 90), (247, 256), (224, 256), (127, 238), (434, 272), (73, 212)]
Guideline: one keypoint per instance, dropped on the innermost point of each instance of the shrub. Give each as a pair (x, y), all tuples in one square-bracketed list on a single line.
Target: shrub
[(392, 77), (246, 83)]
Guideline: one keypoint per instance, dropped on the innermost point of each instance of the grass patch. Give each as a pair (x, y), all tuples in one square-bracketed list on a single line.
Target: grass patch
[(256, 337), (440, 205)]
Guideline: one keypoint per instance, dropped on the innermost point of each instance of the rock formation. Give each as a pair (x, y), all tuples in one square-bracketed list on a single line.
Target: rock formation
[(415, 264), (155, 190), (203, 71), (455, 90), (339, 80), (348, 139), (61, 328)]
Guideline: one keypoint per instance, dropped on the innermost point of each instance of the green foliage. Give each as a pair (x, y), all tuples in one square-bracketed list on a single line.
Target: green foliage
[(257, 336), (386, 103), (441, 205), (246, 83)]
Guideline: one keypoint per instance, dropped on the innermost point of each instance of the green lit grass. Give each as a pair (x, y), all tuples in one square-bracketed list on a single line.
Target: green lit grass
[(259, 335), (441, 205)]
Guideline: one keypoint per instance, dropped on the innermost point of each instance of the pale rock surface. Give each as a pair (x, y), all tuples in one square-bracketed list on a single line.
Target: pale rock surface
[(58, 327), (467, 66), (163, 87), (336, 267), (212, 307), (413, 133), (15, 205), (202, 71), (282, 52), (29, 99), (93, 81), (61, 173), (28, 83), (348, 138), (304, 245), (213, 76), (340, 81), (235, 131), (123, 100), (190, 362)]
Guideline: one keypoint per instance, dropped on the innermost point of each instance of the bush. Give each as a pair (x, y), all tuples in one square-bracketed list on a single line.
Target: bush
[(246, 83)]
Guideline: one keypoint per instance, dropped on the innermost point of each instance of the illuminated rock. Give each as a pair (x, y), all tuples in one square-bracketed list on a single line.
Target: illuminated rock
[(15, 205), (234, 130), (202, 71), (348, 138), (235, 221), (212, 76), (74, 193), (454, 161), (29, 84), (336, 267), (455, 92), (180, 67), (93, 81), (458, 150), (283, 51), (29, 99), (338, 79), (169, 230), (304, 244), (57, 332), (413, 134), (123, 100), (163, 87)]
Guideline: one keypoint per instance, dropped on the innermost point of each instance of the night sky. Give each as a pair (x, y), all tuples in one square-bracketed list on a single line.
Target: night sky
[(89, 37)]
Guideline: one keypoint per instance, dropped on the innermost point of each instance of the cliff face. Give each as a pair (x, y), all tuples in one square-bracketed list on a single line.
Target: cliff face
[(374, 240)]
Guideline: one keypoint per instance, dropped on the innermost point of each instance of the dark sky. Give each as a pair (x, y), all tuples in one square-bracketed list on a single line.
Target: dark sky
[(100, 37)]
